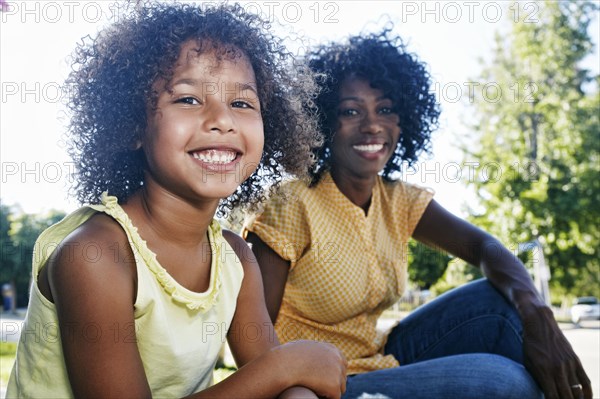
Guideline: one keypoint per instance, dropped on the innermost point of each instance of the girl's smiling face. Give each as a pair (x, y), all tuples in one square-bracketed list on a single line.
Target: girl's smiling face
[(205, 136), (366, 131)]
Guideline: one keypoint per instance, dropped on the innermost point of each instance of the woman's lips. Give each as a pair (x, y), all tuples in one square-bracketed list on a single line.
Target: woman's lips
[(368, 148)]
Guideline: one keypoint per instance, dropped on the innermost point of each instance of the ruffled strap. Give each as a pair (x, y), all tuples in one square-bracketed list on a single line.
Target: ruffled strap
[(197, 301)]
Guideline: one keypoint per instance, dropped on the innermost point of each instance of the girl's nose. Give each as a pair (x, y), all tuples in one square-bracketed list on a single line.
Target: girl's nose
[(218, 117)]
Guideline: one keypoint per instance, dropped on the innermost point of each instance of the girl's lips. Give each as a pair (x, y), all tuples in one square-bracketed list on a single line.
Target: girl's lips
[(222, 160), (215, 156)]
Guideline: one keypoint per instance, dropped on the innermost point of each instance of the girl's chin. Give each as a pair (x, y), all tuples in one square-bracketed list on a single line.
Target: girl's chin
[(221, 185)]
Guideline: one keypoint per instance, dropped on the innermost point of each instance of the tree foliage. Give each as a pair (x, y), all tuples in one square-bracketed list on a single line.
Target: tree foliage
[(540, 143), (18, 233), (426, 265)]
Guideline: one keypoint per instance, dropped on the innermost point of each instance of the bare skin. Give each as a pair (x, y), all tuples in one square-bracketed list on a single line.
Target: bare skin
[(363, 118)]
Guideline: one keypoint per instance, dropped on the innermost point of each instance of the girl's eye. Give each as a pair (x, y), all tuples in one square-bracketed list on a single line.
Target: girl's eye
[(241, 104), (188, 101)]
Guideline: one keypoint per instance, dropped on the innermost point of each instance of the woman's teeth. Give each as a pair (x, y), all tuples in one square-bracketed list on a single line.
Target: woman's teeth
[(215, 156), (368, 147)]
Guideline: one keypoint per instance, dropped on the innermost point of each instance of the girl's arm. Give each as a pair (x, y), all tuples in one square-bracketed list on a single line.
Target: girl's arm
[(267, 369), (274, 271), (94, 292), (91, 278), (548, 355)]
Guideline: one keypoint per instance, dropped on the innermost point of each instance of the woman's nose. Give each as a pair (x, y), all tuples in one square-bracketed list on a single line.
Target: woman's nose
[(371, 124)]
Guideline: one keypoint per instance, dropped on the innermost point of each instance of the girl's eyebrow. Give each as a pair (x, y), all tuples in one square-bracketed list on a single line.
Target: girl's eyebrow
[(248, 86), (185, 81), (196, 82)]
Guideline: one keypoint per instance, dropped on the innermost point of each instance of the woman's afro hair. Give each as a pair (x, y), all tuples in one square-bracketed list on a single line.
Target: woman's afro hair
[(383, 61)]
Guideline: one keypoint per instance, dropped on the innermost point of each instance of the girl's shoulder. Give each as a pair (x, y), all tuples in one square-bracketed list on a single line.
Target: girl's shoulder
[(87, 253), (96, 249), (99, 229)]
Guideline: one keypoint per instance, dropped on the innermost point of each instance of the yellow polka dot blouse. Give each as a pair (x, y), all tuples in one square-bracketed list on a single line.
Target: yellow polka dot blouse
[(346, 267)]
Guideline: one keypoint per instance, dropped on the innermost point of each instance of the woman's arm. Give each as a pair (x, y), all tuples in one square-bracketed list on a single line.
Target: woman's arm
[(274, 271), (267, 369), (548, 355), (440, 229)]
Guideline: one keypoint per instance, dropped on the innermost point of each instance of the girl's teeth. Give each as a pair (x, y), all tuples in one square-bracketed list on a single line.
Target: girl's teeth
[(368, 147), (215, 156)]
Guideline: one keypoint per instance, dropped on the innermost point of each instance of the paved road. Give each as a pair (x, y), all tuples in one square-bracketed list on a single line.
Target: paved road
[(585, 341)]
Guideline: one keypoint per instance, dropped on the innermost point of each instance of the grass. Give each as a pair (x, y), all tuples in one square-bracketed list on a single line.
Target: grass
[(7, 358)]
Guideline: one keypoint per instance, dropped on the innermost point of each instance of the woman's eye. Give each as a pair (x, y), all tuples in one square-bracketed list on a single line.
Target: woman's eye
[(348, 112), (187, 100), (386, 110)]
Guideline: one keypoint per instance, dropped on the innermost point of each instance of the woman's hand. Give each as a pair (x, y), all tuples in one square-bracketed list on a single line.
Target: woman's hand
[(550, 358), (548, 355), (316, 365)]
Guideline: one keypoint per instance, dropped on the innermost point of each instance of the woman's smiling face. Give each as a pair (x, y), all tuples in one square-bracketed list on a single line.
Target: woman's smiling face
[(366, 131), (205, 136)]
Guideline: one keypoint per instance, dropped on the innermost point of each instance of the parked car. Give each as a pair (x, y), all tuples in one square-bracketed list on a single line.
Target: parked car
[(585, 308)]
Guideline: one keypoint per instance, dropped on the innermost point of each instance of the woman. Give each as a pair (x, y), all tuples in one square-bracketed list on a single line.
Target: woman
[(333, 255)]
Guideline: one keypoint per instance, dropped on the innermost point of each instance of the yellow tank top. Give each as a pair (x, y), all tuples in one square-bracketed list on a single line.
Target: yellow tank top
[(179, 332)]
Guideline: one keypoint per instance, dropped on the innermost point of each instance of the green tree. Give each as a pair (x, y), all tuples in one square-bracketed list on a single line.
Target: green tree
[(426, 265), (539, 144), (7, 252), (18, 233)]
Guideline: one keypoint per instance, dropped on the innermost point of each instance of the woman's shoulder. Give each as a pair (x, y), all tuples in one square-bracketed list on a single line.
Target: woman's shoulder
[(296, 186), (286, 205), (400, 186), (291, 193), (401, 192)]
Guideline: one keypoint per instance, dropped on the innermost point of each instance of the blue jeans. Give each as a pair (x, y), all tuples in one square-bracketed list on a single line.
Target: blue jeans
[(464, 344)]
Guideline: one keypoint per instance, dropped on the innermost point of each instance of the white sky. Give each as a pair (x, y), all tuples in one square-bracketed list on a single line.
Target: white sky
[(37, 36)]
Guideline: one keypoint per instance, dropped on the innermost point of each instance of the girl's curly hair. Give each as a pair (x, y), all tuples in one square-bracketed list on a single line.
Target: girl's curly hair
[(384, 62), (112, 77)]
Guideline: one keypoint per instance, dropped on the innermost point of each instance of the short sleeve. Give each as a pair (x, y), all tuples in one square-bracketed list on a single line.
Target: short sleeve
[(418, 200), (282, 225), (411, 202)]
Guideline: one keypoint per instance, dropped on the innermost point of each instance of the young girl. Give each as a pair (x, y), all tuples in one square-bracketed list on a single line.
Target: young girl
[(335, 258), (136, 293)]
